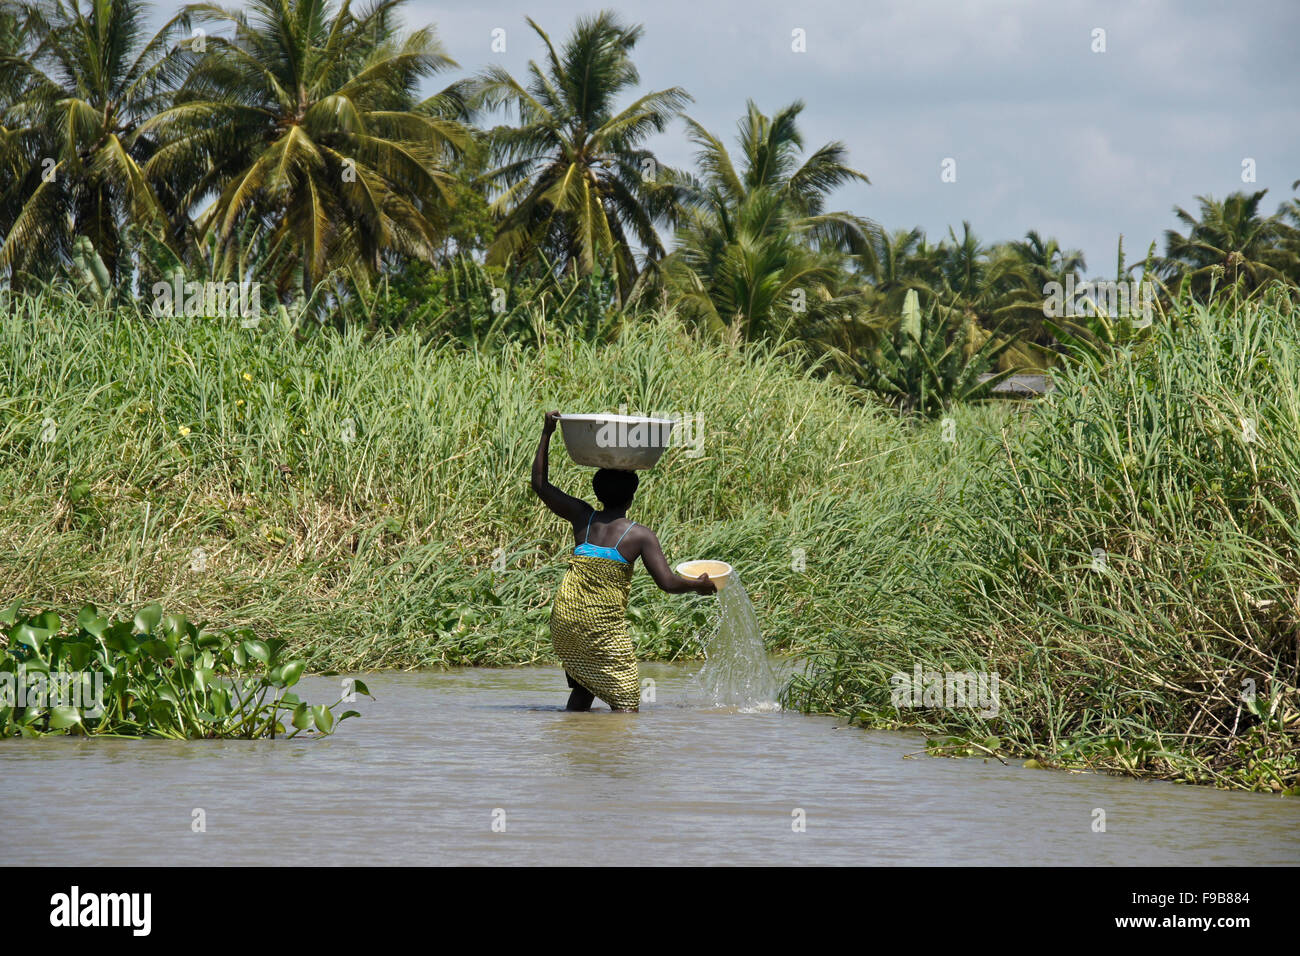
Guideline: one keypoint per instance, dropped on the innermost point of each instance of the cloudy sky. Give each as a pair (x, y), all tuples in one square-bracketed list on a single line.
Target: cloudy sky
[(1046, 134)]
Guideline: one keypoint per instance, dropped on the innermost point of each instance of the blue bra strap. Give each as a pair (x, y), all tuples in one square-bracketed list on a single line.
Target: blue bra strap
[(586, 538)]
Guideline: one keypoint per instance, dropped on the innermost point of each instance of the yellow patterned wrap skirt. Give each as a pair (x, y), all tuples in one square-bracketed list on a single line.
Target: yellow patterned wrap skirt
[(589, 630)]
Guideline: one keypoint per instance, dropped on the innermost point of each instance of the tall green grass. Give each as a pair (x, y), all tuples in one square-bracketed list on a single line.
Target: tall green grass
[(352, 495), (1129, 564), (365, 499)]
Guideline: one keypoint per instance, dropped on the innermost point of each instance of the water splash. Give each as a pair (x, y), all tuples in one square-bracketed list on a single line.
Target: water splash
[(736, 671)]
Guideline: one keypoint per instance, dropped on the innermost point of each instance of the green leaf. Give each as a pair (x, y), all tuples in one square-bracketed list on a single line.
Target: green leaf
[(256, 649), (118, 637), (148, 618), (220, 701), (291, 672), (302, 717), (61, 718), (175, 627), (209, 639), (28, 635), (86, 616), (160, 712), (324, 717), (78, 656)]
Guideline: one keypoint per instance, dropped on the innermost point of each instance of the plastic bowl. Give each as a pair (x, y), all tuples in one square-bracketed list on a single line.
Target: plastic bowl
[(719, 572), (623, 442)]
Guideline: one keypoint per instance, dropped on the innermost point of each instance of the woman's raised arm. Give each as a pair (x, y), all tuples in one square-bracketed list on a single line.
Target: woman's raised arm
[(566, 506)]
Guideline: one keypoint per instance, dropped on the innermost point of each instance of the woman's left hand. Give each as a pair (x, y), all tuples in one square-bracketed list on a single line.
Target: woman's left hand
[(551, 419)]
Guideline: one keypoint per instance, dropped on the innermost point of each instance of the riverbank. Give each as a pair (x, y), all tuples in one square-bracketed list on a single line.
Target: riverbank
[(1128, 562), (1123, 556), (368, 501)]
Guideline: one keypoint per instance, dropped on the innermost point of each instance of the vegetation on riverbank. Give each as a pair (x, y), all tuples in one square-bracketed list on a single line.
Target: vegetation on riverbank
[(367, 500), (1129, 563), (1122, 554), (304, 150), (151, 675)]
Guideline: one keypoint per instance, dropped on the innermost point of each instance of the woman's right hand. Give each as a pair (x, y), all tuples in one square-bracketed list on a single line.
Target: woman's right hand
[(551, 419), (704, 586)]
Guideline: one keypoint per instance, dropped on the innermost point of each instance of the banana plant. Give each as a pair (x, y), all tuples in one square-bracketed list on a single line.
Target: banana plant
[(91, 274), (934, 359)]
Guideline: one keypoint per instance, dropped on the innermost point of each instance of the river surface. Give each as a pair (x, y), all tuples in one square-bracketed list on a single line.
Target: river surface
[(439, 758)]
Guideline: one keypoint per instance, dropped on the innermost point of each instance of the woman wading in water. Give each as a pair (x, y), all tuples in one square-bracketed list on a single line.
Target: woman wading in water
[(588, 623)]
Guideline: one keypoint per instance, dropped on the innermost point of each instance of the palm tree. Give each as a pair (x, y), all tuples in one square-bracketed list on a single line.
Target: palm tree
[(575, 180), (756, 274), (16, 158), (1033, 263), (974, 292), (10, 34), (1288, 213), (79, 84), (1230, 243), (974, 277), (303, 118), (1046, 261), (899, 261), (758, 251), (933, 359)]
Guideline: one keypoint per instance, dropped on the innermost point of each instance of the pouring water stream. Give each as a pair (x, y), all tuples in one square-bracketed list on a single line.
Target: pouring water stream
[(736, 672)]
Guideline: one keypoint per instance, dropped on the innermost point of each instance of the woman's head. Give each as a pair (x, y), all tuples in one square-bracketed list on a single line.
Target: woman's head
[(615, 489)]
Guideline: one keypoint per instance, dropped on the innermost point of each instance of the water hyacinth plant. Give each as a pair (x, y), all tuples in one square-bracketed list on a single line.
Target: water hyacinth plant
[(154, 675)]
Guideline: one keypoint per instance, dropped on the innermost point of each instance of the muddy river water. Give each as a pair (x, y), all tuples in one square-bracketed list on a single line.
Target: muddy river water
[(481, 766)]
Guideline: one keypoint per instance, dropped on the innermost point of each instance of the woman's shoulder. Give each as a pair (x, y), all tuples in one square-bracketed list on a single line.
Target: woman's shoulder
[(640, 532)]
